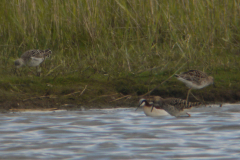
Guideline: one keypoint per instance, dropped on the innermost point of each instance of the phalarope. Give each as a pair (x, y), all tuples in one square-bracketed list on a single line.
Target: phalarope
[(149, 111)]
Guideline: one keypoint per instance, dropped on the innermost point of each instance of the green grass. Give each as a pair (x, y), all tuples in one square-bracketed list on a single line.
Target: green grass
[(119, 36), (128, 46)]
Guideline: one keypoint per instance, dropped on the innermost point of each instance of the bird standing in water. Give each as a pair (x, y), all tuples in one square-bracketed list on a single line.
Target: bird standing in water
[(174, 106), (149, 110)]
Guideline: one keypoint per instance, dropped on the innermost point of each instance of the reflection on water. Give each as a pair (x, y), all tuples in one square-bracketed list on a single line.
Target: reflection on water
[(211, 133)]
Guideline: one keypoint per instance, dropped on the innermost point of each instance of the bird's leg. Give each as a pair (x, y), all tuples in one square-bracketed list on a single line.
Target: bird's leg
[(152, 108), (188, 96), (189, 115), (15, 71), (38, 71)]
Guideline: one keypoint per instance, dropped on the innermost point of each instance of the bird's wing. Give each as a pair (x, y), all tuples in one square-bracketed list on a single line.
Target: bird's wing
[(32, 53), (193, 75)]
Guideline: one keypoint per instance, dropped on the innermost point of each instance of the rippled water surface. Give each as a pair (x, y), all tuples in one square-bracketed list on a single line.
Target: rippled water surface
[(211, 133)]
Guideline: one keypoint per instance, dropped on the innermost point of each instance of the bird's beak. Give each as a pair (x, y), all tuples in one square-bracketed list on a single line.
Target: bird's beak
[(152, 108), (138, 107)]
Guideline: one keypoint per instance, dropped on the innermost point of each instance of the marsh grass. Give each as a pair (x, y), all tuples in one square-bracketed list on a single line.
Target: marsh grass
[(109, 40)]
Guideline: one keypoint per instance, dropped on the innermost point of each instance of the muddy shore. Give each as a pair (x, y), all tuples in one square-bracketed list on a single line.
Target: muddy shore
[(37, 95)]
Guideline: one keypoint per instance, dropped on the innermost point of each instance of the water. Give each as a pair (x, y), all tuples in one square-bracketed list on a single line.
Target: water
[(211, 133)]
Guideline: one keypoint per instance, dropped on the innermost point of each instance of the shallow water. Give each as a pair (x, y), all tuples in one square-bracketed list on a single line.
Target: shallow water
[(211, 133)]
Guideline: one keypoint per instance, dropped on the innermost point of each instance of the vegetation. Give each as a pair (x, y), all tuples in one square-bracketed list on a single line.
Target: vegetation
[(120, 46)]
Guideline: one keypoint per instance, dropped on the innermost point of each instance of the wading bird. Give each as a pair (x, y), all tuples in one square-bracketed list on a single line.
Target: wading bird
[(174, 106), (149, 110), (195, 79), (33, 58)]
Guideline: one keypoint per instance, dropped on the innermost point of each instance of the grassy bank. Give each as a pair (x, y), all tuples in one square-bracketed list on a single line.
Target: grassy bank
[(98, 90), (118, 47)]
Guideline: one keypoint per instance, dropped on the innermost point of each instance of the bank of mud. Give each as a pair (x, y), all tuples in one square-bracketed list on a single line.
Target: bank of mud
[(111, 100), (78, 93)]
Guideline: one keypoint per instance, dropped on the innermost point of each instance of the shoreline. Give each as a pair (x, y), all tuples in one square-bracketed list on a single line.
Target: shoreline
[(51, 104), (74, 91)]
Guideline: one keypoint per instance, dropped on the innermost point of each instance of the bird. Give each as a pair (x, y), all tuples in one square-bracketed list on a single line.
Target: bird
[(195, 79), (33, 58), (174, 106), (156, 111)]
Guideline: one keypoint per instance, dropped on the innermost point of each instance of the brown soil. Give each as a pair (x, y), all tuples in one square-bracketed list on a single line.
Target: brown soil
[(209, 95)]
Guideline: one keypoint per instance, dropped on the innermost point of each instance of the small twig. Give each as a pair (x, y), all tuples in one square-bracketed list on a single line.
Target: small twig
[(103, 96), (120, 98), (83, 90), (15, 88), (52, 70), (77, 92), (109, 95), (129, 97)]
